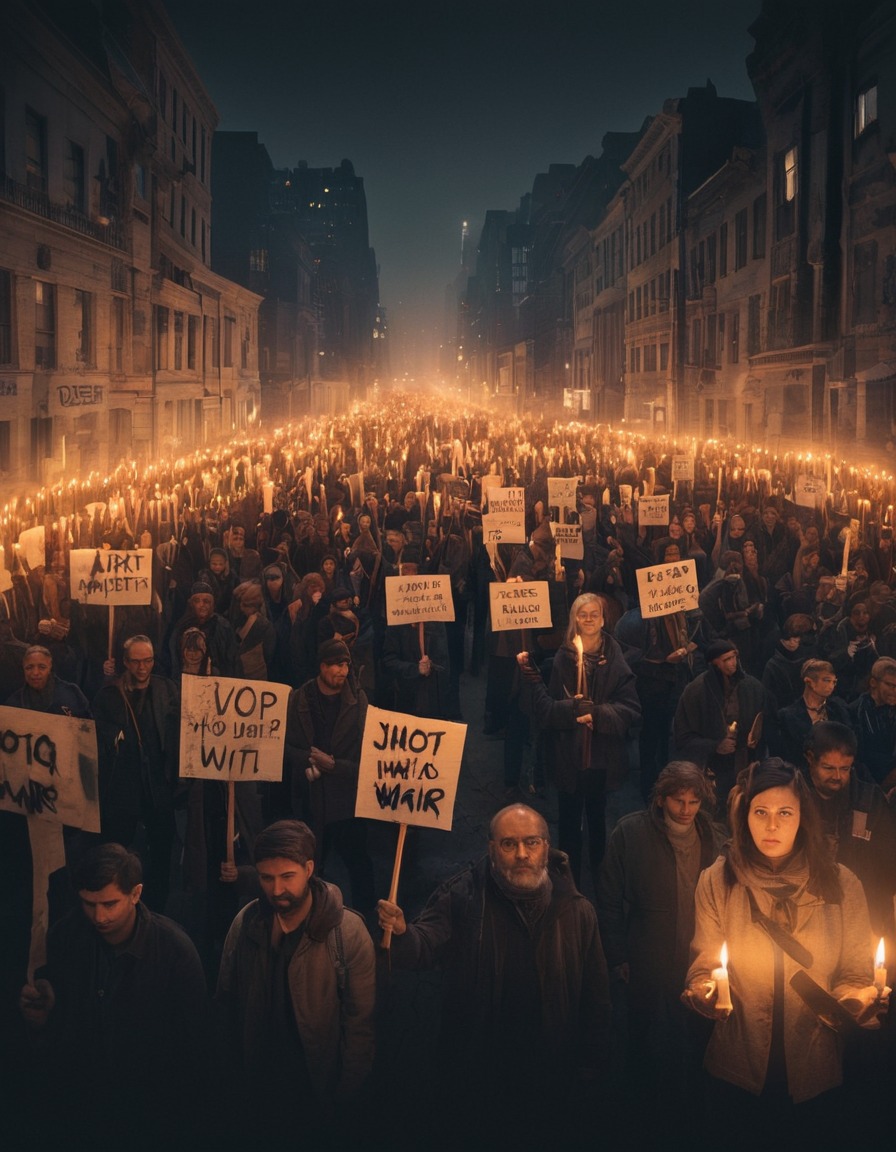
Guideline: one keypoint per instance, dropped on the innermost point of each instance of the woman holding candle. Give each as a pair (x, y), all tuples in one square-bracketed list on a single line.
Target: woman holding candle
[(782, 906), (589, 706)]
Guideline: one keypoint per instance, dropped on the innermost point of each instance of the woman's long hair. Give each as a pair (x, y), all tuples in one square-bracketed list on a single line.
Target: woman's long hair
[(580, 602), (743, 854)]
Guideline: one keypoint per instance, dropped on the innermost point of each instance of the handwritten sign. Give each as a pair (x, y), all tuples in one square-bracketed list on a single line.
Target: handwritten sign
[(232, 729), (526, 605), (562, 491), (667, 588), (653, 510), (32, 546), (103, 576), (809, 491), (416, 599), (409, 769), (505, 521), (682, 468), (48, 767), (569, 540)]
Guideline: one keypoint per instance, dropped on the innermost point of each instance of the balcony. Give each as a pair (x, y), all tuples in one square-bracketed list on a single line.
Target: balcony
[(41, 205)]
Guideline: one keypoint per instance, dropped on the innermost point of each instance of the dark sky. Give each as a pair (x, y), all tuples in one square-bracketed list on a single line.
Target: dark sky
[(448, 108)]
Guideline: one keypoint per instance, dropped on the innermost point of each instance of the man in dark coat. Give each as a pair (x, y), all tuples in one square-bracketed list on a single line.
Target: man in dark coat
[(526, 1008), (219, 635), (718, 721), (324, 726)]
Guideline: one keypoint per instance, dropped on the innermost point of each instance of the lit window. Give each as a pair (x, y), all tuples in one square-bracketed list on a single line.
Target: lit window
[(866, 109), (790, 174)]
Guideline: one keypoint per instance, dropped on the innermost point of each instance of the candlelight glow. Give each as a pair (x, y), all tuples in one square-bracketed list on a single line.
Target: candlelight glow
[(879, 956), (723, 956)]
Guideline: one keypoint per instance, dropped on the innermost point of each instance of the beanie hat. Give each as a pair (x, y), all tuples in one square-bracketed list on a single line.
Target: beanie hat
[(718, 648), (333, 652)]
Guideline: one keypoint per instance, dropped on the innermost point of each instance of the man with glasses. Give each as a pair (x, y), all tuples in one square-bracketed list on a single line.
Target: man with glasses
[(137, 726), (817, 705), (526, 1005)]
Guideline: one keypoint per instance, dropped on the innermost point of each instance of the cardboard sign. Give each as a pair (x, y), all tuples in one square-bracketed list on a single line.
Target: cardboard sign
[(667, 588), (562, 491), (32, 546), (653, 511), (526, 605), (103, 576), (48, 767), (568, 538), (809, 491), (682, 468), (232, 729), (416, 599), (409, 769), (505, 521)]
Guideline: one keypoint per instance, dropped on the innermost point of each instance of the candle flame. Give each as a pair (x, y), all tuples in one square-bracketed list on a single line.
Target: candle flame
[(579, 645), (879, 956), (724, 955)]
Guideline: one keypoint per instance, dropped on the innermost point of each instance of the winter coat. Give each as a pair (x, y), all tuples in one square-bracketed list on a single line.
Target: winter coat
[(415, 694), (838, 936), (331, 981), (700, 725)]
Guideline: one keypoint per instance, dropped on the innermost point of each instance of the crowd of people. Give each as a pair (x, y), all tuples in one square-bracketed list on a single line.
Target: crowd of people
[(725, 964)]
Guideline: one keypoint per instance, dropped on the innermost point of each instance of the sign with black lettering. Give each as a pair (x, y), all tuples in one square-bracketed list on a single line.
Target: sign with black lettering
[(416, 599), (105, 576), (232, 729), (653, 511), (525, 605), (682, 467), (48, 767), (562, 491), (32, 546), (568, 538), (505, 521), (409, 769), (667, 588), (809, 491)]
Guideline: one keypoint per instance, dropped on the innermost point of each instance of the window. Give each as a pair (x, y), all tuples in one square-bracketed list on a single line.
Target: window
[(140, 181), (35, 151), (244, 349), (229, 327), (864, 280), (161, 341), (258, 260), (733, 349), (44, 326), (740, 239), (664, 357), (163, 95), (73, 182), (6, 282), (178, 341), (5, 446), (711, 259), (192, 337), (202, 156), (650, 357), (866, 109), (83, 314), (712, 327), (212, 334), (193, 227), (696, 356), (183, 216), (754, 305), (786, 185), (759, 227), (779, 319), (116, 342), (723, 250)]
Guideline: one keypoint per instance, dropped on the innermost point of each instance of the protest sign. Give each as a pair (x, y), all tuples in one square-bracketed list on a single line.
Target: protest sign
[(5, 574), (107, 577), (562, 491), (667, 588), (525, 605), (653, 511), (32, 546), (48, 767), (416, 599), (809, 491), (568, 538), (505, 521), (682, 468), (232, 729), (409, 769)]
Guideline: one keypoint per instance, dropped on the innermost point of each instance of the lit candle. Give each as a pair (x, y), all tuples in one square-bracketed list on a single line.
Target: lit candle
[(720, 976), (880, 967), (580, 665)]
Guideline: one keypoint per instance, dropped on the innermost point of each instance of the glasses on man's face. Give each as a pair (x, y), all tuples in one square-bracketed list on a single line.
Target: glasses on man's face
[(509, 844)]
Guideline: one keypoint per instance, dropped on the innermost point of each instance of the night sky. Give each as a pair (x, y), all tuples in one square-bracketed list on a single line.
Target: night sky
[(448, 108)]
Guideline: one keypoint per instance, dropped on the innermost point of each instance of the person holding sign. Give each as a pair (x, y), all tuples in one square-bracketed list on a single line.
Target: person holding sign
[(525, 1015), (589, 707), (798, 941), (296, 989), (119, 1017)]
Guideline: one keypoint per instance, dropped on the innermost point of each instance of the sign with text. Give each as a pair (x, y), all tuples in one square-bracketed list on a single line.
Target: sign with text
[(562, 491), (32, 546), (526, 605), (48, 767), (682, 468), (232, 729), (568, 538), (809, 491), (416, 599), (505, 521), (409, 769), (653, 511), (105, 576), (667, 588)]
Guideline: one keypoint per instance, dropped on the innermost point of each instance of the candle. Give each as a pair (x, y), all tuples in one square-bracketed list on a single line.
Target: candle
[(880, 968), (580, 665), (720, 976), (845, 565)]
